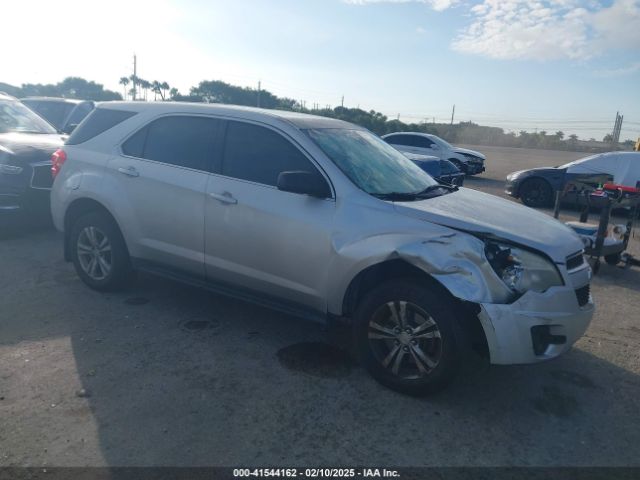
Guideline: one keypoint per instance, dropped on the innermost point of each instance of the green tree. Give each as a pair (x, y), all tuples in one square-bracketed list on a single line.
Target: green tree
[(124, 81), (165, 87)]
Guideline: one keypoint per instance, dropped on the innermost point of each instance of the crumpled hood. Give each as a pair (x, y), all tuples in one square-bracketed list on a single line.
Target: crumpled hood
[(469, 152), (26, 148), (479, 212)]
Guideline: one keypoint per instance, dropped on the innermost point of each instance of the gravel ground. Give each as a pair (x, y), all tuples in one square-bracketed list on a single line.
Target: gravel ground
[(165, 374)]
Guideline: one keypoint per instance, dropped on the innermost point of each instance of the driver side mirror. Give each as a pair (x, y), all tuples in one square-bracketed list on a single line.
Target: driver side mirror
[(434, 146), (305, 183)]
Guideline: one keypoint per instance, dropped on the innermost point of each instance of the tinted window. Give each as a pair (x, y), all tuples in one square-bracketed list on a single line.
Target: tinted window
[(54, 112), (258, 154), (98, 121), (406, 140), (134, 146), (447, 167), (422, 142), (78, 114), (178, 140)]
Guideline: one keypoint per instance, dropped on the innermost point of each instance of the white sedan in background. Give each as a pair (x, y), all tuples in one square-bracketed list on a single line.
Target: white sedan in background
[(468, 161)]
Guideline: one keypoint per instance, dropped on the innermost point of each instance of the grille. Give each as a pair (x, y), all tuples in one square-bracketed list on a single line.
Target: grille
[(41, 176), (575, 261), (582, 294)]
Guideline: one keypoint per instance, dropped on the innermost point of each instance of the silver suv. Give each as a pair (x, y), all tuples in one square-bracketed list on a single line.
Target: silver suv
[(321, 219)]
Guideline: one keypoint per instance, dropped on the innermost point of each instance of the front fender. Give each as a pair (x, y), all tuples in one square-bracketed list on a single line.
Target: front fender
[(455, 259), (458, 262)]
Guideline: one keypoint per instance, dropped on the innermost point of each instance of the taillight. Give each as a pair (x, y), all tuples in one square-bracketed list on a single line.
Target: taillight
[(57, 160)]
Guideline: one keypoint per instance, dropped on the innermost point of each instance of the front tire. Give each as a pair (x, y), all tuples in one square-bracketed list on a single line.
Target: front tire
[(406, 336), (536, 193), (99, 253)]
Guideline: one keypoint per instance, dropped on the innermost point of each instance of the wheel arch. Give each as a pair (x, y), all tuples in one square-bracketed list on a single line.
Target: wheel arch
[(76, 209), (368, 278)]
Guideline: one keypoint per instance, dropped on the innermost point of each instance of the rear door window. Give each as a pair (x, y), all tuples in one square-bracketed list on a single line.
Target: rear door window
[(181, 140), (259, 154), (422, 142)]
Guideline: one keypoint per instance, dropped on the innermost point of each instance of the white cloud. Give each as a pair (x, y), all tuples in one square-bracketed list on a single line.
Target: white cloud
[(550, 29), (438, 5)]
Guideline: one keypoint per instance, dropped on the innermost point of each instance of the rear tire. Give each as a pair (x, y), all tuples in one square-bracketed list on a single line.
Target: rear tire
[(407, 337), (99, 253), (536, 193)]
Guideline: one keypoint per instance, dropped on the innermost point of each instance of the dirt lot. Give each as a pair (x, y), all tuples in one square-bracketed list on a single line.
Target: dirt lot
[(165, 374)]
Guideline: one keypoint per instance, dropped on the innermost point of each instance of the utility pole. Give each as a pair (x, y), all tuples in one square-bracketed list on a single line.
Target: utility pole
[(615, 136), (342, 102), (135, 76), (453, 113), (398, 117), (259, 85)]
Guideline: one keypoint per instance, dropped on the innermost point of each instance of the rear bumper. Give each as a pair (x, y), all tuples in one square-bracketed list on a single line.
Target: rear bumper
[(514, 331)]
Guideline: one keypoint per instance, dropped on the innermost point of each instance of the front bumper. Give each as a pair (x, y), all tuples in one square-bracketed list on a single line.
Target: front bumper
[(512, 330), (510, 188), (474, 167)]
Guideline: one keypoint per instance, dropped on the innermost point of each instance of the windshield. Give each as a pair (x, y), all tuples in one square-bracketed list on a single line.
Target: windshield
[(15, 117), (578, 162), (442, 142), (54, 112), (371, 163)]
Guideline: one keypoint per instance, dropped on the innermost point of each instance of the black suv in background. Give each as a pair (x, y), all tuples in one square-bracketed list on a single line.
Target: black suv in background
[(26, 145), (63, 113)]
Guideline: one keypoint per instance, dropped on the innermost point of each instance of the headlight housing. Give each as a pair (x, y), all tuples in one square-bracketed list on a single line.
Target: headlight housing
[(520, 269)]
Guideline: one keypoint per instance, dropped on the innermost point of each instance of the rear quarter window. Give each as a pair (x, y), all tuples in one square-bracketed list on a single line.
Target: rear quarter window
[(97, 122)]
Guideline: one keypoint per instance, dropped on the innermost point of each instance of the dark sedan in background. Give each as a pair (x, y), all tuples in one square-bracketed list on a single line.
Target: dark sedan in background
[(443, 171), (536, 187), (26, 145), (63, 113)]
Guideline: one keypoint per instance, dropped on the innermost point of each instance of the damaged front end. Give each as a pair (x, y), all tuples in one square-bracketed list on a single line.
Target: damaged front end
[(530, 308)]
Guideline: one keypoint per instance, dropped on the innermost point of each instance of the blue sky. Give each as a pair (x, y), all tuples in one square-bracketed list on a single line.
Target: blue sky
[(518, 64)]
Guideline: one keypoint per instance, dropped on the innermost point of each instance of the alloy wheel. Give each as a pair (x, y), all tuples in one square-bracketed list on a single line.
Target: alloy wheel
[(94, 253), (405, 339)]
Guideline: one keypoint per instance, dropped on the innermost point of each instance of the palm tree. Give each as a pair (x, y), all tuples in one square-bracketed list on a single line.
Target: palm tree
[(124, 81), (145, 85), (155, 86), (164, 86), (173, 93), (134, 82)]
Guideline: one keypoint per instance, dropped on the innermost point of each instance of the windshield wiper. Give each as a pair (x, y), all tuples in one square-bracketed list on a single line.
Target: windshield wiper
[(396, 196), (431, 188), (408, 196)]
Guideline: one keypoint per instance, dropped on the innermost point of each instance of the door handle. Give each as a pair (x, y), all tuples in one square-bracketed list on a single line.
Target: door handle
[(225, 198), (131, 171)]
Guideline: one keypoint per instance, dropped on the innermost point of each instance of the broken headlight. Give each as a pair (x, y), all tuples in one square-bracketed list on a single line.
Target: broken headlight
[(520, 269)]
